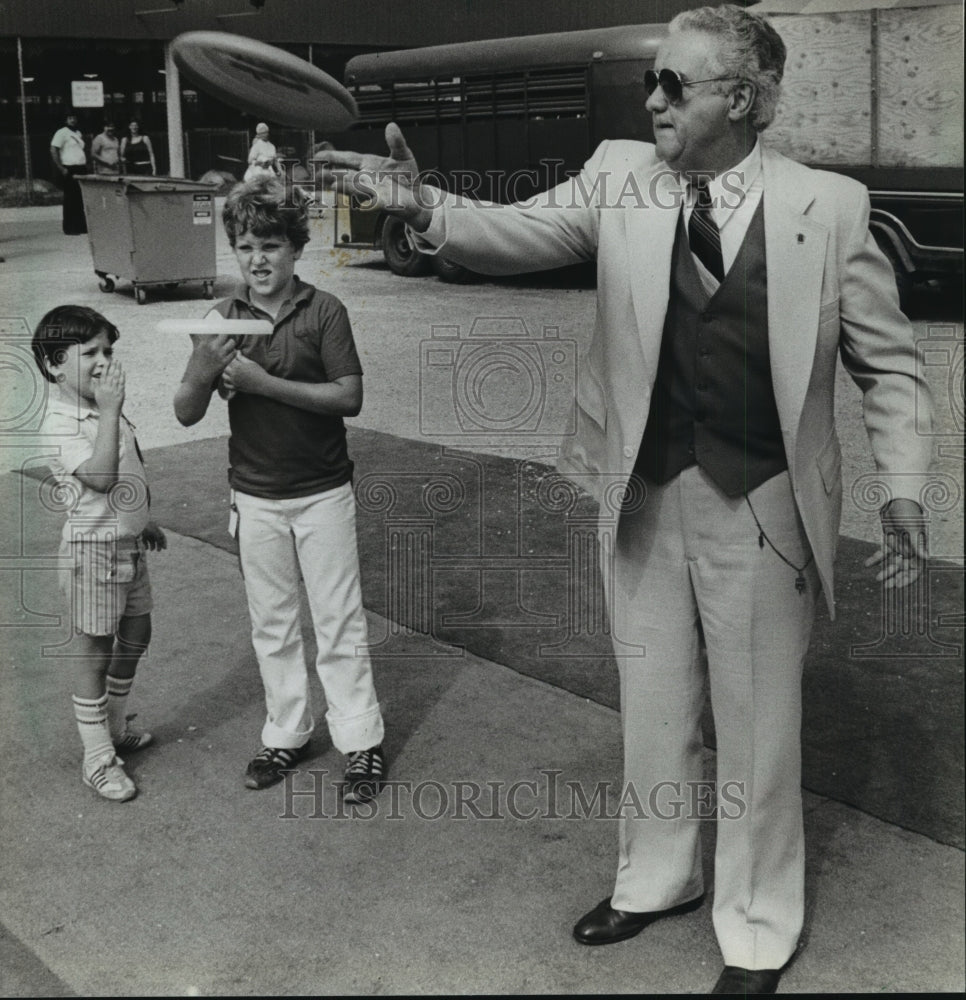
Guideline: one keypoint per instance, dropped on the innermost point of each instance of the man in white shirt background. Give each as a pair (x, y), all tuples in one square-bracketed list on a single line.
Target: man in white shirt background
[(69, 154)]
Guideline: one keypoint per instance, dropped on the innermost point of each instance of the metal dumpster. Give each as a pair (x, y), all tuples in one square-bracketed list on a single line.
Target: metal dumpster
[(150, 230)]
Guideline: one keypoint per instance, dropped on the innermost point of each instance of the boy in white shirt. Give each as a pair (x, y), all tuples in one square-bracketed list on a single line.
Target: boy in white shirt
[(108, 529)]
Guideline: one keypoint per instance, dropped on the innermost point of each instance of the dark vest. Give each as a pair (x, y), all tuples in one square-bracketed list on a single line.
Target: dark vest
[(713, 403)]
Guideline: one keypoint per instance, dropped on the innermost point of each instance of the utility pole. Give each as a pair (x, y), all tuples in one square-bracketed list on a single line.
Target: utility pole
[(172, 86), (28, 169)]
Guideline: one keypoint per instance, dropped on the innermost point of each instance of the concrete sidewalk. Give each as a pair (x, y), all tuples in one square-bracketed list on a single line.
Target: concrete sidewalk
[(464, 879)]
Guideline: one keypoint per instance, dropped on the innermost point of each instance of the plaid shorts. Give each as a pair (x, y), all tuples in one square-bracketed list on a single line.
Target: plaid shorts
[(105, 582)]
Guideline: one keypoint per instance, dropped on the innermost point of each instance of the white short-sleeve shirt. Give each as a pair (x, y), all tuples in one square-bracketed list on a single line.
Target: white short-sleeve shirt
[(121, 512)]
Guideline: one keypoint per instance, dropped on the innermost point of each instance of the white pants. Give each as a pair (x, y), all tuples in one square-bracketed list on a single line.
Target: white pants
[(314, 536), (689, 565)]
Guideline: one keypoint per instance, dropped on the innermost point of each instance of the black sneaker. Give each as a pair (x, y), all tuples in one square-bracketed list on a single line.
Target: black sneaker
[(267, 767), (364, 774)]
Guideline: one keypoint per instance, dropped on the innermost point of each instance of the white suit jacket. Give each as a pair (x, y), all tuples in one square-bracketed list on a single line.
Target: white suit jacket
[(830, 292)]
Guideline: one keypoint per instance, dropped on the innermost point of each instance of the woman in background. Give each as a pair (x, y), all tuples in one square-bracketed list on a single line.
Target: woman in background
[(137, 154)]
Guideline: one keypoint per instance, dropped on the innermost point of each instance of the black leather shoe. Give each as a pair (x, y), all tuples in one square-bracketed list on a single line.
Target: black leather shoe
[(605, 925), (747, 982)]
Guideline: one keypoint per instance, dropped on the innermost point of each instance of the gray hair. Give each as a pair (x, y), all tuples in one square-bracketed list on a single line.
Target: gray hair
[(751, 49)]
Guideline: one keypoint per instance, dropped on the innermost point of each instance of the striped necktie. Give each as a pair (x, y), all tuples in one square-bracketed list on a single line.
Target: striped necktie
[(703, 234)]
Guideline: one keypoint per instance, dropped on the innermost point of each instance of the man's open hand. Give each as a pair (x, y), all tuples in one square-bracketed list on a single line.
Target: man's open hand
[(904, 552), (386, 182), (154, 538)]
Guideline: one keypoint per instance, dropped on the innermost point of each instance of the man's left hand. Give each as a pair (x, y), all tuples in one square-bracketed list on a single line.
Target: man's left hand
[(904, 552), (154, 538)]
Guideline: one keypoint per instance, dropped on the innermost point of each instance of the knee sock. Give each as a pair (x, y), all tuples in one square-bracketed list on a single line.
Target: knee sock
[(118, 688), (91, 716)]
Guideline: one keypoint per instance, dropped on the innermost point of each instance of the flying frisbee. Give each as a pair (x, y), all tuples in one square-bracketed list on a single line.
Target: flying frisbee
[(264, 81)]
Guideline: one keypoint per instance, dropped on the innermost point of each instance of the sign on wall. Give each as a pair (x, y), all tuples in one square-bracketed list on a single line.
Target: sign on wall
[(87, 93)]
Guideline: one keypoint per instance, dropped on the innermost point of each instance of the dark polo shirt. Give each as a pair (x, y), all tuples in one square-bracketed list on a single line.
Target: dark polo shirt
[(713, 402), (277, 451)]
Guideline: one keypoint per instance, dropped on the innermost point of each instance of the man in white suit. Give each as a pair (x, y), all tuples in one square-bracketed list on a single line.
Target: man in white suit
[(708, 389)]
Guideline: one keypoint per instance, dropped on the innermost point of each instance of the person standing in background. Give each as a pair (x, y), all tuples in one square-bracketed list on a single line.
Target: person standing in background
[(262, 157), (137, 154), (106, 151), (70, 158)]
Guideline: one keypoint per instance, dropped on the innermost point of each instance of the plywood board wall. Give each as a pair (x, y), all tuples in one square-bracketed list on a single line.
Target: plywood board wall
[(921, 87), (883, 88), (825, 113)]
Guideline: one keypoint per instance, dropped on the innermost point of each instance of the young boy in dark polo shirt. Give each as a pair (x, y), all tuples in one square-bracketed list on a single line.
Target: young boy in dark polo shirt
[(291, 477)]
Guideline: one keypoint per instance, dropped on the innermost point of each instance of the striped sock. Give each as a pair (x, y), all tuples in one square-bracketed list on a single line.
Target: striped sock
[(91, 716), (118, 688)]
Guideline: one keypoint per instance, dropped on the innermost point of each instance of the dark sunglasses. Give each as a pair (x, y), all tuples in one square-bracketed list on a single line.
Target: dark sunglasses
[(671, 83)]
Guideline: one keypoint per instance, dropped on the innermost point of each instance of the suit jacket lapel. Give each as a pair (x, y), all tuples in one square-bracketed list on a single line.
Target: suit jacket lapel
[(650, 239), (795, 249)]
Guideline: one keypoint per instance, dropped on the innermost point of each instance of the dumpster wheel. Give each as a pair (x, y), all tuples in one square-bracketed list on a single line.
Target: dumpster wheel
[(105, 284), (140, 294), (209, 287)]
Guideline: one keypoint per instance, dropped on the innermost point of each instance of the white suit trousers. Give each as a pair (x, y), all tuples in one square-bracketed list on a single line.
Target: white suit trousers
[(690, 567), (314, 536)]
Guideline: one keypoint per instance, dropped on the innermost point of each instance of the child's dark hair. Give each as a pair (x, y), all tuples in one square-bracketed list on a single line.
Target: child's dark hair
[(267, 207), (62, 327)]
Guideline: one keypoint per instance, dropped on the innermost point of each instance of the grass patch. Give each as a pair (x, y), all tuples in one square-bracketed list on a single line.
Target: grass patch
[(14, 193)]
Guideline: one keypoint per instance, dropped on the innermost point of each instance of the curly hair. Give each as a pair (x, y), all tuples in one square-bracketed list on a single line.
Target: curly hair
[(751, 49), (267, 206), (63, 327)]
